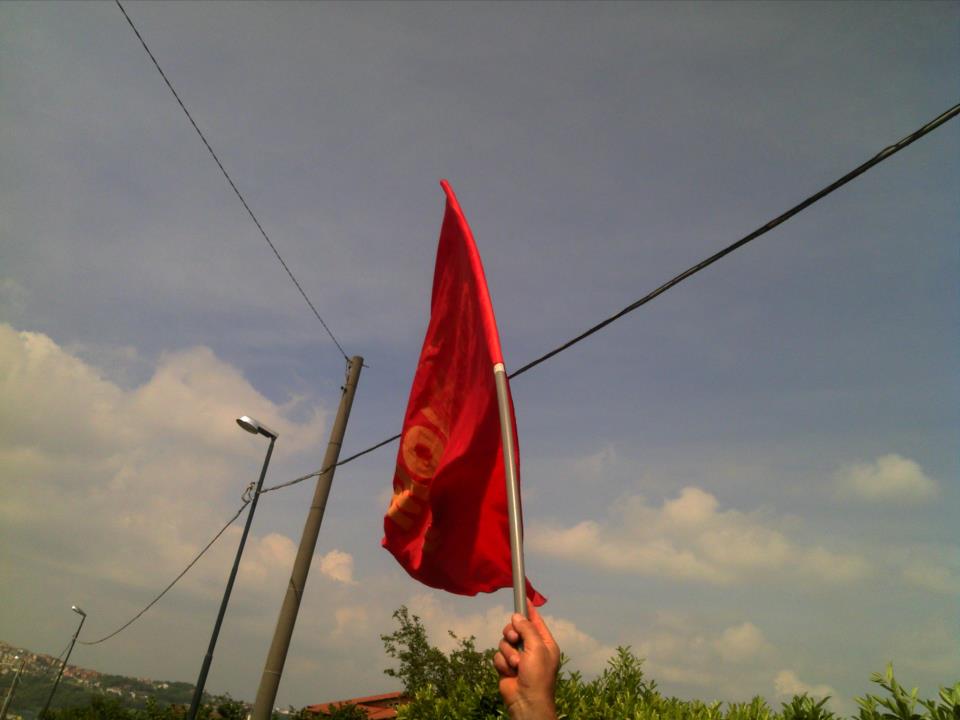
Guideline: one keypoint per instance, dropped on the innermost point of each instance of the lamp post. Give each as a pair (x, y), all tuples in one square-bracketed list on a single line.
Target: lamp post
[(257, 428), (13, 687), (73, 641)]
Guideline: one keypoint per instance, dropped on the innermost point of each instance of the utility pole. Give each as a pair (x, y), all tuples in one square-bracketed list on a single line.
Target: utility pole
[(273, 669), (13, 687)]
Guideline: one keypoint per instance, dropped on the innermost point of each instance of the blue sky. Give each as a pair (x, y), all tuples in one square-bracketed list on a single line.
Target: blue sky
[(751, 480)]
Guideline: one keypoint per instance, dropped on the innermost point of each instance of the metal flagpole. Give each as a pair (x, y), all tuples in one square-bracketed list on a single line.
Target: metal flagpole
[(513, 491), (277, 656)]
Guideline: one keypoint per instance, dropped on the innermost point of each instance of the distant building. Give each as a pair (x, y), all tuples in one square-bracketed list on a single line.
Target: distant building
[(377, 707)]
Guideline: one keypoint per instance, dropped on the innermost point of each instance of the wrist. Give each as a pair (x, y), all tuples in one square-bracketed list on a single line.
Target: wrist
[(540, 708)]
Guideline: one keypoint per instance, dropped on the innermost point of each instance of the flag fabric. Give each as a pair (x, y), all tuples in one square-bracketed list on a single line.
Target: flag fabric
[(447, 522)]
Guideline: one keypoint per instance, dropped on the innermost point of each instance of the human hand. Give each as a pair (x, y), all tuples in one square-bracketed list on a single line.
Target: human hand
[(528, 679)]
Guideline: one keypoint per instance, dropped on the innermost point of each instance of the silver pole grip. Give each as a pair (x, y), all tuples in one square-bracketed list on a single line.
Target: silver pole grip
[(513, 491)]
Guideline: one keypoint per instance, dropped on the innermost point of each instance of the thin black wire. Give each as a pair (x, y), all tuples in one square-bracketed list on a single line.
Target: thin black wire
[(63, 652), (878, 158), (58, 658), (174, 582), (230, 180), (336, 464)]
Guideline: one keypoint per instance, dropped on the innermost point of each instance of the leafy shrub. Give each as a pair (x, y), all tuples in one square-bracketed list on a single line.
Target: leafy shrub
[(804, 707), (902, 705), (463, 686), (341, 712)]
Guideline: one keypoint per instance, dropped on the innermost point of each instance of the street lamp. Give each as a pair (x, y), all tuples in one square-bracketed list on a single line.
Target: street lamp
[(13, 687), (73, 641), (257, 428)]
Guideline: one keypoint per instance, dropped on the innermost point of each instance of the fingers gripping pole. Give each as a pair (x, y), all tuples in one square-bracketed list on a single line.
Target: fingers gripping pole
[(513, 491)]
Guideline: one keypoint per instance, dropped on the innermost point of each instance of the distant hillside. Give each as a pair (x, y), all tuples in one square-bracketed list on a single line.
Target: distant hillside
[(78, 685)]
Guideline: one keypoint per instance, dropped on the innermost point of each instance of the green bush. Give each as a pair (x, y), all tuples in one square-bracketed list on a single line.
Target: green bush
[(463, 686)]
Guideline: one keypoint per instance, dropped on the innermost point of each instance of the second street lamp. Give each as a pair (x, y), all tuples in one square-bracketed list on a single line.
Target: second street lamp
[(257, 428), (73, 641)]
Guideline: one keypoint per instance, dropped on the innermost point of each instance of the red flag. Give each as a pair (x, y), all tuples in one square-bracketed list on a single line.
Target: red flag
[(447, 521)]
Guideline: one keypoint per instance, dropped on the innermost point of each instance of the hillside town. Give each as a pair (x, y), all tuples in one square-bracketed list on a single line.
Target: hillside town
[(39, 672)]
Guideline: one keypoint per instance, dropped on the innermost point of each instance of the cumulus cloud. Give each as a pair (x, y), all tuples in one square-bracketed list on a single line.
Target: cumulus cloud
[(787, 684), (890, 478), (690, 538), (272, 553), (587, 654), (676, 648), (87, 458), (742, 643), (695, 656), (337, 565)]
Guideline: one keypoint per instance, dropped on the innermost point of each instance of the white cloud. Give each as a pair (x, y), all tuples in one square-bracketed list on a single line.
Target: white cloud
[(688, 538), (742, 643), (685, 651), (787, 684), (890, 478), (440, 616), (586, 653), (337, 565), (144, 476)]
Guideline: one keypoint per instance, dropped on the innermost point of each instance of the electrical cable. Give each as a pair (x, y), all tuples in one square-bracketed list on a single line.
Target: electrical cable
[(232, 184), (337, 464), (63, 652), (876, 159), (174, 582), (58, 658)]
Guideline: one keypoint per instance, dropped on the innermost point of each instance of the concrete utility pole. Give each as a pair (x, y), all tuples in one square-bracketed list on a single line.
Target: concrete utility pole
[(13, 687), (273, 669)]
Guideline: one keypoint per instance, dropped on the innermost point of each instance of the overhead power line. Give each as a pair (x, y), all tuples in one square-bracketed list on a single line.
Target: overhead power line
[(63, 652), (232, 184), (153, 602), (323, 470), (876, 159), (856, 172)]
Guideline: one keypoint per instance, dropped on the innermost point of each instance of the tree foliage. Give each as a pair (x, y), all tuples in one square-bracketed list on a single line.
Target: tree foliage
[(463, 685)]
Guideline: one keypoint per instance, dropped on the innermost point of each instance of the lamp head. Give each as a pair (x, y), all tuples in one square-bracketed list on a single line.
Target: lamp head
[(77, 610), (255, 426)]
